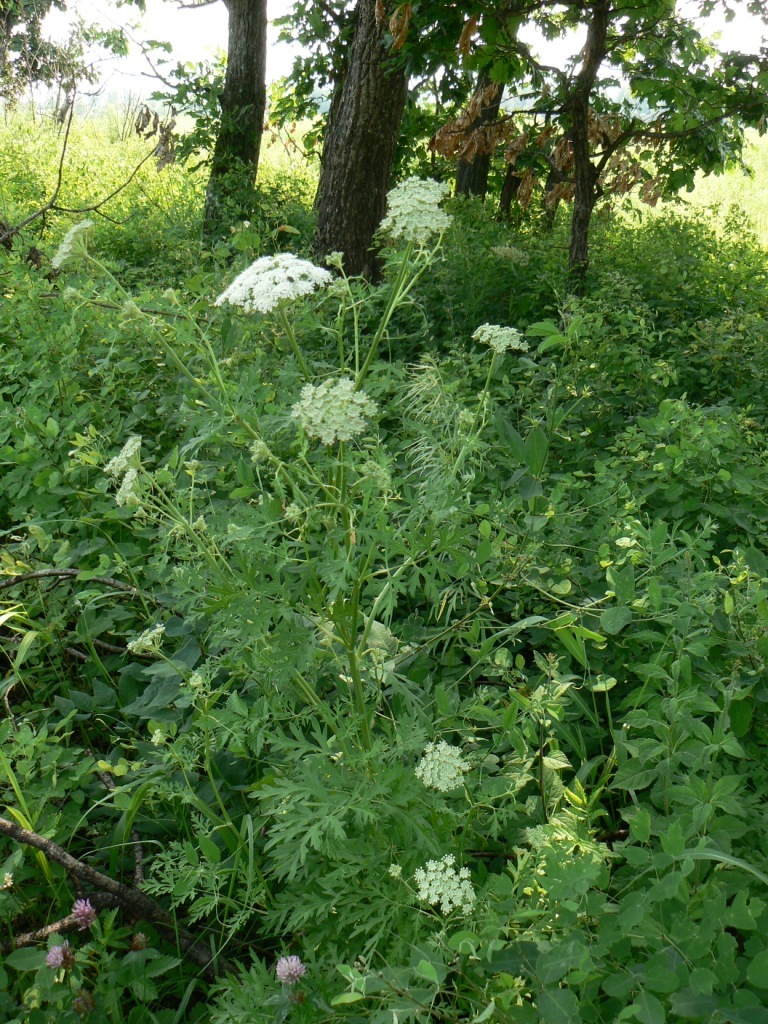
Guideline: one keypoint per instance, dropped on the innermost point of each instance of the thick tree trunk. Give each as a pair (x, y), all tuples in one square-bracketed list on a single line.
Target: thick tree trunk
[(472, 175), (359, 148), (585, 174), (243, 102)]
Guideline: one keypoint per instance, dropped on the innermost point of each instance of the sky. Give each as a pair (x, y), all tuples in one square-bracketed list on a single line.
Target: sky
[(199, 34), (194, 34)]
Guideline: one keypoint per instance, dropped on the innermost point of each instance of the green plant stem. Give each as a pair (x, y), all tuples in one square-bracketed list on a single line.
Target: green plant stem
[(481, 406), (542, 786), (399, 291), (290, 334), (358, 696)]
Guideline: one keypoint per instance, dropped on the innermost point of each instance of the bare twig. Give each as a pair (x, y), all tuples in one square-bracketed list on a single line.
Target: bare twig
[(98, 901), (39, 574), (74, 653), (52, 205), (125, 896)]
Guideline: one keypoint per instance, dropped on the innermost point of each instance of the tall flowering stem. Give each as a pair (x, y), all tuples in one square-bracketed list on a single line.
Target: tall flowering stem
[(500, 340), (291, 336)]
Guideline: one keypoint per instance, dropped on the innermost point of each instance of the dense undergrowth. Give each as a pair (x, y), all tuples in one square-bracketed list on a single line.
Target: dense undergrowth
[(519, 620)]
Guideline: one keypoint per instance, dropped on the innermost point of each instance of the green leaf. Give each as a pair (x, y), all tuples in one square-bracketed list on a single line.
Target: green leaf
[(632, 775), (487, 1012), (672, 841), (757, 971), (25, 959), (640, 825), (553, 341), (622, 582), (558, 1006), (510, 437), (536, 450), (427, 970), (613, 620), (556, 962), (648, 1009), (722, 858), (347, 997), (209, 849)]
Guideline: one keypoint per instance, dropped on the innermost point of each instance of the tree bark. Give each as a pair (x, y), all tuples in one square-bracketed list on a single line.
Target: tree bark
[(509, 190), (472, 175), (359, 148), (243, 102), (585, 174)]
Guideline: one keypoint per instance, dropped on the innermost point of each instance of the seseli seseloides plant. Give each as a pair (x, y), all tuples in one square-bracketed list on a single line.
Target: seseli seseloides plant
[(326, 503)]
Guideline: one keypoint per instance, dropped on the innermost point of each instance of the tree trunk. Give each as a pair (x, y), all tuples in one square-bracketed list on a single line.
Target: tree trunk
[(472, 175), (359, 148), (509, 190), (585, 174), (243, 102)]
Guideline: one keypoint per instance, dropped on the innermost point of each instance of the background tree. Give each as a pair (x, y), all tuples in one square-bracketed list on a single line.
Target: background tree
[(28, 56), (360, 142), (683, 106), (475, 162), (243, 101)]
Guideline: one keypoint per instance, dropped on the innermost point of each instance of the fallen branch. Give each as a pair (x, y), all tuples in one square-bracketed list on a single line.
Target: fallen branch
[(53, 573), (138, 903), (98, 901)]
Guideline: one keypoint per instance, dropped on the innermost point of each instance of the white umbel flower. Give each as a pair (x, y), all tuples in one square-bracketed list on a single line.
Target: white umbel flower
[(413, 210), (127, 457), (129, 492), (149, 641), (73, 244), (439, 882), (333, 411), (442, 767), (501, 339), (272, 279)]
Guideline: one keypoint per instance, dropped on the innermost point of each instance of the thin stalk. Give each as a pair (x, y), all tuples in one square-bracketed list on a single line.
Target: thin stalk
[(542, 786), (358, 696), (394, 298), (292, 341), (481, 406)]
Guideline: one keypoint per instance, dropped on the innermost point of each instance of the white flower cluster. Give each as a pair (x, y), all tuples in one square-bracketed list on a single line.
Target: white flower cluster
[(440, 882), (442, 767), (333, 412), (7, 882), (149, 641), (413, 210), (127, 462), (271, 279), (510, 252), (126, 458), (260, 451), (129, 492), (501, 339), (73, 244)]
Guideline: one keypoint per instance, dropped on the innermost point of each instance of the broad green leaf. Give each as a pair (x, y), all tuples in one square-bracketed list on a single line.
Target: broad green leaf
[(613, 620), (347, 997), (648, 1009), (558, 1006), (536, 450), (757, 971), (25, 959)]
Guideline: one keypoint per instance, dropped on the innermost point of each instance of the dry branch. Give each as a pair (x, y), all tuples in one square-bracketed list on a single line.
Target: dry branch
[(138, 903)]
